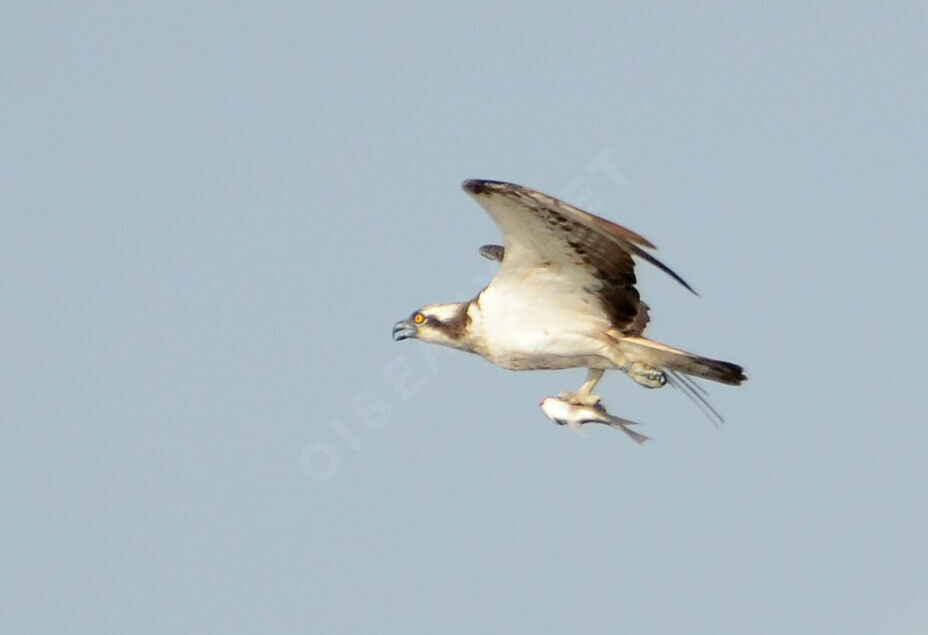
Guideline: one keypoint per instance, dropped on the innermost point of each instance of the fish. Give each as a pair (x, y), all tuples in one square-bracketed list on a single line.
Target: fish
[(568, 413)]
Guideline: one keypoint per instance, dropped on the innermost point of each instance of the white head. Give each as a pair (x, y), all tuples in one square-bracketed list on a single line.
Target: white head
[(445, 324)]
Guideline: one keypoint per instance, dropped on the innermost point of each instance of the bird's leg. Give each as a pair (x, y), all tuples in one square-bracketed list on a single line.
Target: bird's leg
[(585, 396), (593, 375)]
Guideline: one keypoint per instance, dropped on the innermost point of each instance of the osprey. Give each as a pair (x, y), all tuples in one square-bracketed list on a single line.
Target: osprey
[(564, 297)]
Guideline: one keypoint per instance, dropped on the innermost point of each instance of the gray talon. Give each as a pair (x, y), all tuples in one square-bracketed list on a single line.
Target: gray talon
[(647, 376), (580, 399)]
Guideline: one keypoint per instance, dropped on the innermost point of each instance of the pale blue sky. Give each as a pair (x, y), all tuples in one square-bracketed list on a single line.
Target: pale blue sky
[(211, 216)]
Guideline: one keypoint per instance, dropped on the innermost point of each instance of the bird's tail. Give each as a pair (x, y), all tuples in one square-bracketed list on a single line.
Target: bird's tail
[(657, 355)]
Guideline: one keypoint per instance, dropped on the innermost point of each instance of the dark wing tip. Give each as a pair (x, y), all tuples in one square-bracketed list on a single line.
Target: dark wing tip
[(657, 263), (493, 252), (482, 186)]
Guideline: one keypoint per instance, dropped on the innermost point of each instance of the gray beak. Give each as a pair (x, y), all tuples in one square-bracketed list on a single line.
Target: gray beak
[(403, 330)]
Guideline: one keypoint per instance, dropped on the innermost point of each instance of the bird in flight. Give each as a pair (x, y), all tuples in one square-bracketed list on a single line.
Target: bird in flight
[(563, 297)]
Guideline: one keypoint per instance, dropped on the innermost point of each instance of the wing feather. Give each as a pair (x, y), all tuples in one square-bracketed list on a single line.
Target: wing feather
[(540, 231)]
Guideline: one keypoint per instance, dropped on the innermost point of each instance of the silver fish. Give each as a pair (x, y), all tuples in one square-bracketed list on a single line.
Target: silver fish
[(574, 415)]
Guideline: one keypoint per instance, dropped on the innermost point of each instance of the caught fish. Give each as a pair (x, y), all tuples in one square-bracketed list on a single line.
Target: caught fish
[(574, 415)]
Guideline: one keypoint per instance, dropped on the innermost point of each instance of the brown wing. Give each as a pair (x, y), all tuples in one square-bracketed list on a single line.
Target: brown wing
[(540, 231)]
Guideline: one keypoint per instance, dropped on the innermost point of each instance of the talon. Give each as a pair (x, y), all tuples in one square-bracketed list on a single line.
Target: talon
[(647, 376), (580, 399)]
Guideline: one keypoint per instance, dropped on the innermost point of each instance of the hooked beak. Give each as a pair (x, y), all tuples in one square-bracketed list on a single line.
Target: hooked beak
[(402, 330)]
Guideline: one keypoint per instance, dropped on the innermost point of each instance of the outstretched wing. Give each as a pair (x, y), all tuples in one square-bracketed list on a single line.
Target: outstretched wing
[(593, 254)]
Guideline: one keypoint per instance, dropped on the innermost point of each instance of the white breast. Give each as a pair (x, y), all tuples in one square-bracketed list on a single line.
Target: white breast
[(527, 324)]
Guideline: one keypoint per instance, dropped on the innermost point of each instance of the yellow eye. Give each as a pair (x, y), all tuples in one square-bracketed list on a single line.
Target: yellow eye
[(418, 318)]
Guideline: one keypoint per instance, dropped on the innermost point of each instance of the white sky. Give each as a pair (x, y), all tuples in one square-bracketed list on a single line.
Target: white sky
[(212, 216)]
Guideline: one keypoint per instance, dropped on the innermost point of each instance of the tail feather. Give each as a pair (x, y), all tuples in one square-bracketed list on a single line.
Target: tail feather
[(641, 349)]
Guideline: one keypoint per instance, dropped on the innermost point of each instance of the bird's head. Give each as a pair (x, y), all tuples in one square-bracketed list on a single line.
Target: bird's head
[(446, 324)]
